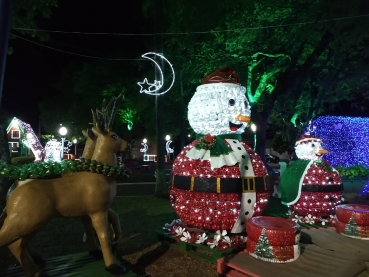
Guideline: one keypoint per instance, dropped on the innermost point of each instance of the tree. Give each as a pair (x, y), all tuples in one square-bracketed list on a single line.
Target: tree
[(297, 58), (26, 15), (263, 248), (351, 228), (23, 15)]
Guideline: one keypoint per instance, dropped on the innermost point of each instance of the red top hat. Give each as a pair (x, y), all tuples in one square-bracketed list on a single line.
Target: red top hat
[(224, 74)]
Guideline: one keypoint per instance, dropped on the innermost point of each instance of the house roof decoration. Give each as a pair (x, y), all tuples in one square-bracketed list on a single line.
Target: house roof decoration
[(30, 140)]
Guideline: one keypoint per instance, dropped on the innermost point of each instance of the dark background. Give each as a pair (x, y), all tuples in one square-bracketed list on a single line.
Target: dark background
[(32, 70)]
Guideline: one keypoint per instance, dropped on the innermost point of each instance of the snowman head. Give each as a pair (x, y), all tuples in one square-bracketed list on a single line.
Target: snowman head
[(309, 148), (219, 105)]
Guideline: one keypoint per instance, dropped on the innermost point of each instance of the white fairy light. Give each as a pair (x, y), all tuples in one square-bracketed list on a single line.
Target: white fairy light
[(153, 88)]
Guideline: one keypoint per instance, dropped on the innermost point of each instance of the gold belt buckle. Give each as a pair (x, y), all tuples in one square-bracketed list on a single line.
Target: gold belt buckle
[(248, 184)]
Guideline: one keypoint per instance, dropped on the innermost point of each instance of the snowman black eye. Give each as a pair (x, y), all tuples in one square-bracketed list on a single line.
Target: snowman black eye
[(246, 104), (231, 102), (313, 145)]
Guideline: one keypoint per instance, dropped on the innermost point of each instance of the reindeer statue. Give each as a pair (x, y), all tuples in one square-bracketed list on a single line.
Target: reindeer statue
[(113, 218), (76, 194)]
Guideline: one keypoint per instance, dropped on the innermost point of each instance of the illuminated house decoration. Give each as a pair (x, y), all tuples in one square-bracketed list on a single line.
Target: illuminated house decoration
[(345, 138), (22, 138), (218, 181)]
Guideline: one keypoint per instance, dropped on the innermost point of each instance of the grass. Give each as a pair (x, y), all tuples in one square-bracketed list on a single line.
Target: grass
[(141, 218)]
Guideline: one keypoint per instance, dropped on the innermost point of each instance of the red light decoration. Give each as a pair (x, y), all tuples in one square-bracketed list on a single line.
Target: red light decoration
[(212, 210)]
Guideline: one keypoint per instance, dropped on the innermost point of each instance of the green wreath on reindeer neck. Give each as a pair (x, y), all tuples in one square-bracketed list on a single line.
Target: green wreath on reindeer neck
[(48, 170)]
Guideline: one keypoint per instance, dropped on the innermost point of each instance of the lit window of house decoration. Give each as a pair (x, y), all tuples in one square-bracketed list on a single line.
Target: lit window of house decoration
[(15, 134)]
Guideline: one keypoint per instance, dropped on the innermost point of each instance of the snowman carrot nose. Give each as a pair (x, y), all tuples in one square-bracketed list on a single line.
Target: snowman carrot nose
[(243, 118), (322, 151)]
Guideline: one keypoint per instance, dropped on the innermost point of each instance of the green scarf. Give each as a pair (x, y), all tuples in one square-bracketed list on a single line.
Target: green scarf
[(290, 181), (215, 144)]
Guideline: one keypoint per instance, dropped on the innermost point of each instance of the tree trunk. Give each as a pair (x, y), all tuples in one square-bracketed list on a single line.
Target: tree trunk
[(260, 119), (161, 188)]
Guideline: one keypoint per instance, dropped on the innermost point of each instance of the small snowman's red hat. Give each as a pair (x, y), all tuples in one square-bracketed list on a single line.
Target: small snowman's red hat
[(306, 139), (224, 74)]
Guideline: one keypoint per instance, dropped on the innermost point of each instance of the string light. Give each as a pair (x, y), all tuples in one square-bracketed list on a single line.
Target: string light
[(31, 140), (345, 138), (153, 88)]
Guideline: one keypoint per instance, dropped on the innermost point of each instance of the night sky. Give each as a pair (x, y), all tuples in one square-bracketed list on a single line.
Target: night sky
[(32, 70)]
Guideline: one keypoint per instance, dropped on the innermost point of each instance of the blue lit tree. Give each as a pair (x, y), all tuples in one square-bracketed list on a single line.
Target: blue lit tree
[(345, 138)]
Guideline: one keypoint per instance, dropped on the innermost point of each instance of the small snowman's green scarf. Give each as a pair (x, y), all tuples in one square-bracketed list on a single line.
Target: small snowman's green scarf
[(215, 144)]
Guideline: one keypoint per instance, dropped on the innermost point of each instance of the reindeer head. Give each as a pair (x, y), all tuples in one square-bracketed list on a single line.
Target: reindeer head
[(90, 144), (107, 141)]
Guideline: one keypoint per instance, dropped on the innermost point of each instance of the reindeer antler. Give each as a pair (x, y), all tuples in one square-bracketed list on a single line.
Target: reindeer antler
[(105, 117), (116, 104)]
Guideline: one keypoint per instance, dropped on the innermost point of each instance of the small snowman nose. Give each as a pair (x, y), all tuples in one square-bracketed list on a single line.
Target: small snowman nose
[(322, 151), (243, 118)]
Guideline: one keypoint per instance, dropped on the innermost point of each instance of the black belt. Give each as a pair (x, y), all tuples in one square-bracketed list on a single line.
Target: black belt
[(322, 188), (219, 185)]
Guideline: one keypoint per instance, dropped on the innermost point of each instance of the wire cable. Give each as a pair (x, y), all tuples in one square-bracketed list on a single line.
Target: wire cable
[(200, 32), (75, 54)]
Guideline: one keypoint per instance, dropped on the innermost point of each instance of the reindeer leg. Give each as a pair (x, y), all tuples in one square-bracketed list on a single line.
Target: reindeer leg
[(92, 245), (100, 223), (20, 252), (113, 219)]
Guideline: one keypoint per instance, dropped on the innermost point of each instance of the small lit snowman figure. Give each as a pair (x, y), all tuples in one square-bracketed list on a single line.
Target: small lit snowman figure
[(218, 181), (311, 186)]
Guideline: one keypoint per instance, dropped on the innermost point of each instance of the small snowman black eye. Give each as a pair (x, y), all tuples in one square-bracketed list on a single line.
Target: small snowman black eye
[(246, 104), (313, 145), (231, 102)]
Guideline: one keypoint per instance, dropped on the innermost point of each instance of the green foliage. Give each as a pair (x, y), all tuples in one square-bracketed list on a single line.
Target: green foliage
[(353, 171), (22, 160), (292, 71), (47, 170), (26, 15)]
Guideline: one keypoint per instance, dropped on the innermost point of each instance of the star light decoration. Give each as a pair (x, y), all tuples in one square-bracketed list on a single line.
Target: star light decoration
[(149, 88), (153, 88)]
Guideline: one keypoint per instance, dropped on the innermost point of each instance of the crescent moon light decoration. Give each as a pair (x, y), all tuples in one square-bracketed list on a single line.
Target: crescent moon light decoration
[(153, 88), (145, 147)]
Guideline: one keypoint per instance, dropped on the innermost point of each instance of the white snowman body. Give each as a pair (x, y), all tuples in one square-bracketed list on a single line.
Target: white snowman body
[(214, 109), (221, 109), (310, 185)]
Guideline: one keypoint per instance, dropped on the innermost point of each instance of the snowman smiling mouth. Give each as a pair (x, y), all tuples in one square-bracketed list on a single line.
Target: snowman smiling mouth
[(234, 127)]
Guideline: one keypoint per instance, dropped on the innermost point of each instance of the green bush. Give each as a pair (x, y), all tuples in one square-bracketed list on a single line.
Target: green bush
[(353, 171), (22, 160)]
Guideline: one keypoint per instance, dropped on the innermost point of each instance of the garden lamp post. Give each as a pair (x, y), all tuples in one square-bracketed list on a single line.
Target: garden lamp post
[(62, 131), (75, 147), (253, 128)]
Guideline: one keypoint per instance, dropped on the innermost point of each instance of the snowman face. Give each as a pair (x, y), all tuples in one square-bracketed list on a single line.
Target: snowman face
[(214, 109), (310, 150)]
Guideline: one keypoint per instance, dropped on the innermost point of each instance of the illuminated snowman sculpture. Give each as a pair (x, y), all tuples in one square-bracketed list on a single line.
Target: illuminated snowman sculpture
[(218, 181), (311, 186)]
